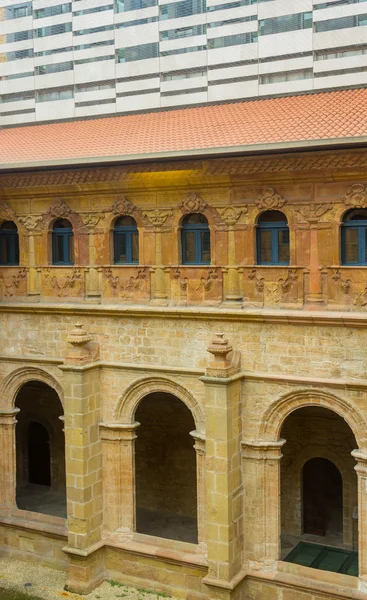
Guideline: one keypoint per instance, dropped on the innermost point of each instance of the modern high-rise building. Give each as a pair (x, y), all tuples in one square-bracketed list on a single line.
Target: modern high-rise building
[(114, 56)]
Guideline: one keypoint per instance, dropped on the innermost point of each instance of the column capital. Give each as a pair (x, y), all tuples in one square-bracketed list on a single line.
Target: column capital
[(118, 431), (8, 416), (262, 450), (200, 440), (361, 458)]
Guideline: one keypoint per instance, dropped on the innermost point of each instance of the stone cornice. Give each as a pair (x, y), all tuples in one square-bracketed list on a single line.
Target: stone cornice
[(196, 313), (274, 165)]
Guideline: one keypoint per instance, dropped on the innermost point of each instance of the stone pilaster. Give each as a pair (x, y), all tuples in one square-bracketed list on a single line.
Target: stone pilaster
[(118, 450), (223, 471), (361, 469), (83, 464), (201, 488), (7, 459), (261, 482)]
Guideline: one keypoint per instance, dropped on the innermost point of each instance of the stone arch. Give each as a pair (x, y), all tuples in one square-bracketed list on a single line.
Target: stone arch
[(278, 411), (16, 379), (128, 403), (347, 475)]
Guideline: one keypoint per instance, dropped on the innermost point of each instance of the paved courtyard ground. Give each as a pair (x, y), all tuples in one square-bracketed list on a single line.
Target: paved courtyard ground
[(28, 581)]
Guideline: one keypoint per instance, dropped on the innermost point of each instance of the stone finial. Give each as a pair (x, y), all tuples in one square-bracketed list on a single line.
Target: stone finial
[(78, 353), (220, 348)]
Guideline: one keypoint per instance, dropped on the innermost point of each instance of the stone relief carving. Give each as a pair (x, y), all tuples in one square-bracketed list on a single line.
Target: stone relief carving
[(91, 220), (356, 196), (357, 293), (183, 281), (192, 203), (207, 282), (228, 215), (312, 212), (269, 199), (31, 222), (156, 217), (59, 209), (284, 289), (12, 283), (124, 288), (122, 206), (6, 213), (63, 284)]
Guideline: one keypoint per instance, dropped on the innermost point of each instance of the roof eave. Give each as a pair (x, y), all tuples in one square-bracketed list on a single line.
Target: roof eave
[(326, 143)]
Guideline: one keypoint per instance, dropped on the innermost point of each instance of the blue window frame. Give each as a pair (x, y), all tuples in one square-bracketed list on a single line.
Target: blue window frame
[(272, 239), (195, 240), (354, 238), (62, 243), (126, 242), (9, 244)]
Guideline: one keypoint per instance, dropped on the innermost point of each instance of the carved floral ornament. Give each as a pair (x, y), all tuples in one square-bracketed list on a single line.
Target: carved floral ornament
[(156, 217), (59, 209), (6, 213), (269, 199), (356, 196), (312, 212), (31, 222), (192, 203), (228, 215), (122, 206), (91, 220)]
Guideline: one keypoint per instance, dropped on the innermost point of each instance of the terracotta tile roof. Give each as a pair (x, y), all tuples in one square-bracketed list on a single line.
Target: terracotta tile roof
[(298, 120)]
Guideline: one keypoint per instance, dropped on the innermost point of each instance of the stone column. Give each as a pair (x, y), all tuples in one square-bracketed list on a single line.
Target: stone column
[(233, 294), (361, 469), (7, 459), (261, 483), (118, 451), (157, 218), (223, 470), (200, 488), (83, 464)]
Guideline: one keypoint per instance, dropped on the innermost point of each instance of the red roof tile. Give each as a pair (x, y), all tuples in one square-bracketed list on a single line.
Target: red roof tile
[(299, 120)]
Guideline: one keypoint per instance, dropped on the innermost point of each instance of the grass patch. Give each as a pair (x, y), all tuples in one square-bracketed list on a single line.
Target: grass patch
[(15, 595), (116, 583)]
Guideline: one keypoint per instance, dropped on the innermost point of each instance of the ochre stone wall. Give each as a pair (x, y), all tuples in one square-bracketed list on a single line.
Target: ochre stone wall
[(105, 336)]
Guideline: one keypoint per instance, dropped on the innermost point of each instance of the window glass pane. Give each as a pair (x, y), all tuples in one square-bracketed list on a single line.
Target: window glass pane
[(59, 249), (265, 247), (283, 246), (189, 256), (70, 241), (205, 246), (135, 247), (121, 248), (4, 250), (351, 245)]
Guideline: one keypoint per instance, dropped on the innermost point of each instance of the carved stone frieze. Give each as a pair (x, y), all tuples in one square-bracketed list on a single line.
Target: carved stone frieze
[(229, 215), (12, 283), (259, 281), (156, 217), (126, 287), (207, 282), (31, 222), (59, 209), (122, 206), (269, 199), (183, 281), (312, 213), (6, 213), (355, 291), (356, 196), (63, 284), (192, 203), (345, 284), (91, 220), (282, 289)]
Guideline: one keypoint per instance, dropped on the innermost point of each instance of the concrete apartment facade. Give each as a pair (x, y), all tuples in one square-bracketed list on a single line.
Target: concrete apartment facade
[(63, 60), (175, 420)]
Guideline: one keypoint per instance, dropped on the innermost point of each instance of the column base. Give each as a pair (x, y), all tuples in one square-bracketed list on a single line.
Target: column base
[(220, 589), (85, 570), (316, 299), (232, 302), (159, 302)]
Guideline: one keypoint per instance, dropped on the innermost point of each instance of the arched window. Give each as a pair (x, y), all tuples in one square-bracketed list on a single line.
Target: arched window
[(354, 238), (195, 240), (9, 244), (126, 241), (272, 239), (62, 243)]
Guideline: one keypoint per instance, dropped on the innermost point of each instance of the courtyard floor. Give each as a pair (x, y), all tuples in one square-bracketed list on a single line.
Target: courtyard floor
[(28, 581)]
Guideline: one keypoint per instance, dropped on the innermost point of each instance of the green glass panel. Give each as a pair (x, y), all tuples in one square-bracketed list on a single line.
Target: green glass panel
[(333, 560)]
